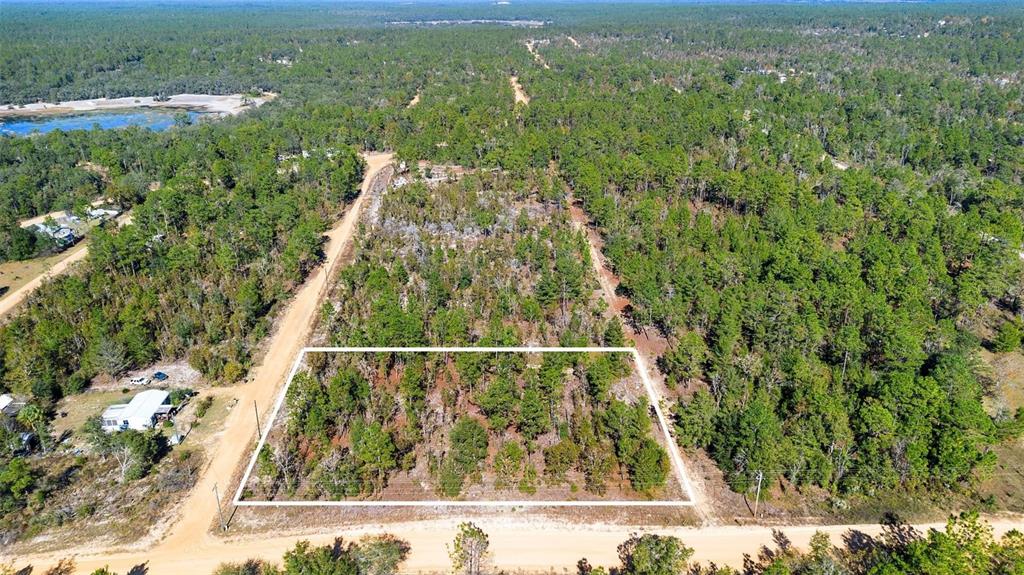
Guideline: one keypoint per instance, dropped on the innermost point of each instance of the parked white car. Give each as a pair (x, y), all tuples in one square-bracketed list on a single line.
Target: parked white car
[(140, 380)]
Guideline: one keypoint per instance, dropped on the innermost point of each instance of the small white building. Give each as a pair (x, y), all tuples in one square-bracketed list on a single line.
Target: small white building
[(9, 405), (103, 213), (140, 413)]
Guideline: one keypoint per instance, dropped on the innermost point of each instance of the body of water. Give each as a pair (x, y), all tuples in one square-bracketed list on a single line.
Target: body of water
[(157, 120)]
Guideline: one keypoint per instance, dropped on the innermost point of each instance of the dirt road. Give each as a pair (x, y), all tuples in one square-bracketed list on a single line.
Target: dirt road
[(649, 343), (609, 283), (11, 300), (521, 546), (521, 96), (73, 255), (531, 47), (190, 536)]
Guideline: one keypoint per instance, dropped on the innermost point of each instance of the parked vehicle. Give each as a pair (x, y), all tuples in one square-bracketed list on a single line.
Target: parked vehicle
[(140, 380), (160, 376)]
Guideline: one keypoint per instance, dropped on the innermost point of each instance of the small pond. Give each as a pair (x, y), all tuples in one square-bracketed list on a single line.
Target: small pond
[(156, 120)]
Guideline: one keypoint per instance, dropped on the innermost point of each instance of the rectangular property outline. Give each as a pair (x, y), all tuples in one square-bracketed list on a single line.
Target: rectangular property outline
[(672, 447)]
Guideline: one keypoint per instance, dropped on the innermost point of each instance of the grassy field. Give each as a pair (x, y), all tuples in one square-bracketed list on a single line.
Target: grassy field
[(13, 275), (72, 412), (80, 407), (204, 429)]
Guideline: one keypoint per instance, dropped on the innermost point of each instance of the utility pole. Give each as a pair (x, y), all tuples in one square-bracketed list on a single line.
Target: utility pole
[(255, 408), (757, 498), (220, 510)]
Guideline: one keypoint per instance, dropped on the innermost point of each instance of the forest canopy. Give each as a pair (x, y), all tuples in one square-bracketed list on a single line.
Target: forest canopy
[(479, 426), (817, 213)]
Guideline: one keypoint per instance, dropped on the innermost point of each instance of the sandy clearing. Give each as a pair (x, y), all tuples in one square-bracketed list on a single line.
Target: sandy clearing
[(573, 41), (227, 104), (521, 95), (415, 100), (191, 532), (839, 165)]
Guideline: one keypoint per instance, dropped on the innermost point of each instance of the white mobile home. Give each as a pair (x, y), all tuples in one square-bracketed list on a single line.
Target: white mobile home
[(140, 413)]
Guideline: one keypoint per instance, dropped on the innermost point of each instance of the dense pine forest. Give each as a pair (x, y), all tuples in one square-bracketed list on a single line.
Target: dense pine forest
[(817, 208), (554, 426)]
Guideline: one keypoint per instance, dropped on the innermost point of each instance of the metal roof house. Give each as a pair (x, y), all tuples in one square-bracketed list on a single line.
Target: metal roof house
[(140, 413)]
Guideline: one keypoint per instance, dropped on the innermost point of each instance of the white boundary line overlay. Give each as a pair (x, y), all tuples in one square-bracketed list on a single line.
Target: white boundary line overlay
[(672, 447)]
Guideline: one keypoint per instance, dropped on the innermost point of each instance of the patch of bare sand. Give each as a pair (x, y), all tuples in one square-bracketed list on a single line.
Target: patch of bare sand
[(230, 104), (521, 96), (531, 46)]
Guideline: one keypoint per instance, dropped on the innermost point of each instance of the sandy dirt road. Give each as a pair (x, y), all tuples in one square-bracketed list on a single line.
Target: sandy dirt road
[(609, 283), (521, 96), (73, 255), (531, 47), (11, 300), (190, 536), (525, 546), (650, 344)]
